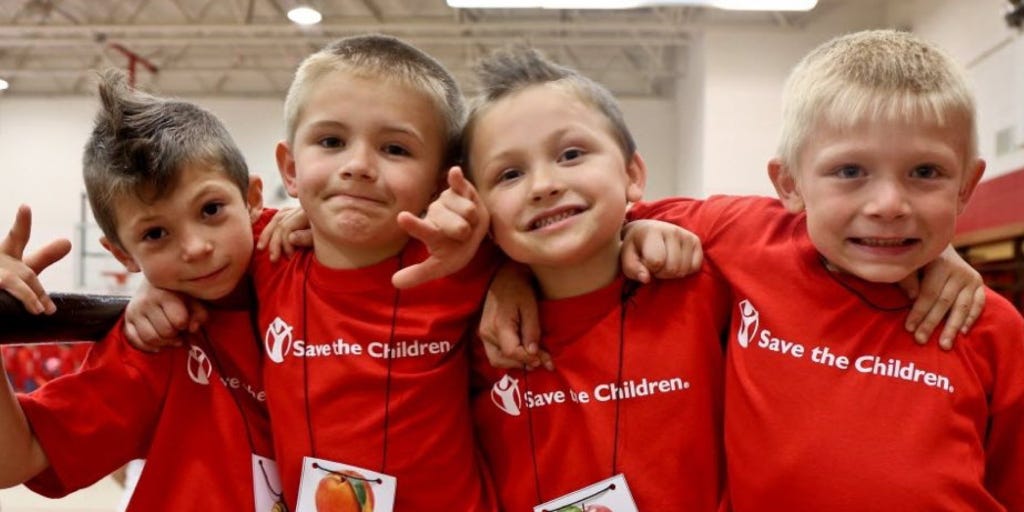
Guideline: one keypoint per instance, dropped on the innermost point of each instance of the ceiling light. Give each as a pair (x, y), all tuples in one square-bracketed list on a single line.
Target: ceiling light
[(4, 85), (736, 5), (304, 15)]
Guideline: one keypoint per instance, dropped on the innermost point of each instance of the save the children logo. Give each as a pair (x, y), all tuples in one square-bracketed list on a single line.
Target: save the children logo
[(278, 340), (505, 395), (751, 333), (199, 367), (749, 321)]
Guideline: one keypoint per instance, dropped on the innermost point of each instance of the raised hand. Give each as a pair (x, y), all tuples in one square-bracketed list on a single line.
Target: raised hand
[(452, 229), (19, 273)]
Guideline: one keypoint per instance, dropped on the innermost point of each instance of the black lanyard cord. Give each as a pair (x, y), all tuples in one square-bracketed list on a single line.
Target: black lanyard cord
[(387, 354), (628, 289), (279, 494)]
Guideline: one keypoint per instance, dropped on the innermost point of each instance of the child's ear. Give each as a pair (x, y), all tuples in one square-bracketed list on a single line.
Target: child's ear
[(119, 253), (971, 180), (255, 198), (786, 185), (636, 173), (286, 166)]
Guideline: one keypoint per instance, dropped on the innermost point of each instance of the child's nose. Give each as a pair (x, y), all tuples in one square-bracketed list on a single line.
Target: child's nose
[(194, 247), (545, 183), (887, 200), (359, 164)]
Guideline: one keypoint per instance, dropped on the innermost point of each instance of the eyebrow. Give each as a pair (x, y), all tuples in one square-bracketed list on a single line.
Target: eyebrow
[(213, 187), (400, 128)]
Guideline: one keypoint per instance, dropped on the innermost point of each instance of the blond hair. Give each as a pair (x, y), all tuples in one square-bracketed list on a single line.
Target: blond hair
[(387, 58), (874, 74)]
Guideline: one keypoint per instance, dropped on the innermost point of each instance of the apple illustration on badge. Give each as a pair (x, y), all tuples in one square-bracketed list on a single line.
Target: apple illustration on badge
[(337, 492)]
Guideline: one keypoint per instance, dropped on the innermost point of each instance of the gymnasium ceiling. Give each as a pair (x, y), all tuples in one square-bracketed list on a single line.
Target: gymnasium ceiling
[(242, 48)]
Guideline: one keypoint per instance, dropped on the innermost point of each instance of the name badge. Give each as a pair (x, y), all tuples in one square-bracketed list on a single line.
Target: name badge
[(611, 495), (266, 485), (329, 485)]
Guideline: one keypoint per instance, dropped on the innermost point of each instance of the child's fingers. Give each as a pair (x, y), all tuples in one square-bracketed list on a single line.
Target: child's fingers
[(529, 327), (418, 228), (159, 324), (912, 285), (680, 258), (632, 266), (17, 238), (175, 313), (696, 258), (939, 307), (20, 289), (198, 315), (300, 238), (144, 334), (456, 224), (48, 254), (268, 232), (459, 184), (977, 305), (658, 253), (414, 275), (273, 244), (135, 340), (496, 357), (956, 320)]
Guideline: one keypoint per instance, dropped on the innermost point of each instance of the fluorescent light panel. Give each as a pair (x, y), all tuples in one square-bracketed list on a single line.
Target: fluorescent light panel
[(733, 5)]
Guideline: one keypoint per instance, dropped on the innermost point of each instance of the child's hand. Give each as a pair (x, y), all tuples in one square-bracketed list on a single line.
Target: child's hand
[(509, 326), (288, 229), (949, 285), (18, 275), (155, 318), (661, 249), (452, 229)]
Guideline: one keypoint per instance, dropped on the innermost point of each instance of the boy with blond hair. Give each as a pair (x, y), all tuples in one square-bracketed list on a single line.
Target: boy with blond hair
[(173, 196), (369, 382), (829, 404)]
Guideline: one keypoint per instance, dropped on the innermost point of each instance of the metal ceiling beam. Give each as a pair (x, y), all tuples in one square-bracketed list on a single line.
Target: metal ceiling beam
[(264, 30), (210, 42)]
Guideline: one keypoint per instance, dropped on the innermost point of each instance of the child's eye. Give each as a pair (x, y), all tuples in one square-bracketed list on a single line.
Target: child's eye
[(849, 172), (508, 175), (330, 142), (153, 234), (396, 150), (211, 209), (925, 172), (570, 154)]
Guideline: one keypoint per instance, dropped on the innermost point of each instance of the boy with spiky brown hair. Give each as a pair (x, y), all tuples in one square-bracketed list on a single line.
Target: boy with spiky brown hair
[(174, 199)]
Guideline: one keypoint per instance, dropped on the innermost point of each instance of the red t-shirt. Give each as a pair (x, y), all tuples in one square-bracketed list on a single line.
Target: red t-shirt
[(830, 404), (334, 403), (182, 410), (669, 399)]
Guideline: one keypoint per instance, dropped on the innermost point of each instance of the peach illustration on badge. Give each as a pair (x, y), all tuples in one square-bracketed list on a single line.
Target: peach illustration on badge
[(344, 491)]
